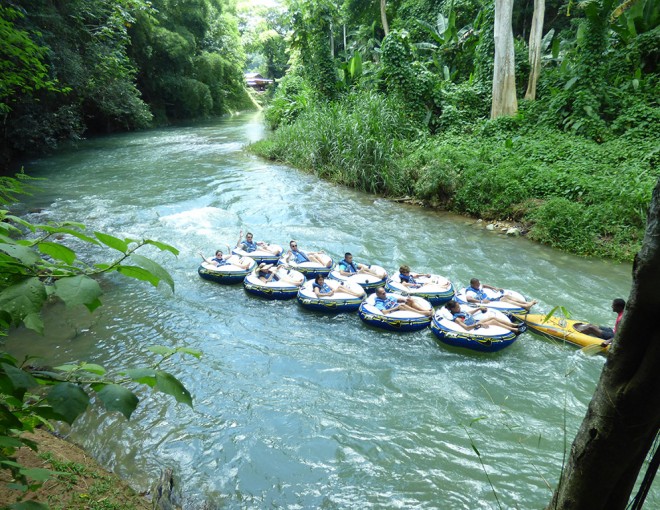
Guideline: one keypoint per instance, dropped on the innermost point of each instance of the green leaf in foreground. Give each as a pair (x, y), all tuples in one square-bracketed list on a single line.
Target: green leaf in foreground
[(169, 384), (118, 398), (162, 246), (23, 298), (112, 241), (78, 290), (162, 350), (154, 268), (58, 251), (139, 274), (142, 375), (68, 400)]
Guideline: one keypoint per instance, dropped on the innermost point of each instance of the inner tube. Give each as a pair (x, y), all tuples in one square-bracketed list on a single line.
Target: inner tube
[(485, 339), (435, 288), (310, 269), (285, 287), (261, 255), (369, 282), (495, 304), (339, 302), (400, 320), (227, 274)]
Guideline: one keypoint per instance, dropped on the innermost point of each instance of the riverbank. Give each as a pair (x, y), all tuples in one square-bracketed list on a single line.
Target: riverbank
[(83, 484), (566, 191)]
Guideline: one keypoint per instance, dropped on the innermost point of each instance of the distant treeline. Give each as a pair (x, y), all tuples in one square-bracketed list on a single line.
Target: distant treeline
[(97, 66)]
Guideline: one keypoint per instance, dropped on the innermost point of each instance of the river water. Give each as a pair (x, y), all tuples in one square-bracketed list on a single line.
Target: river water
[(297, 409)]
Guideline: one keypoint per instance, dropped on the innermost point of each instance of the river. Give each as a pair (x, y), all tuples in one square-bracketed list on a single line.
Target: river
[(297, 409)]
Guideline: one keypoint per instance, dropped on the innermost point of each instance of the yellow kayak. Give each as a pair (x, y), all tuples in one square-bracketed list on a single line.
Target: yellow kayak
[(559, 328)]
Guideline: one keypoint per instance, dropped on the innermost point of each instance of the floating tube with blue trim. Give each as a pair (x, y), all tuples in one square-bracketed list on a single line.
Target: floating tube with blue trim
[(399, 320), (484, 339), (368, 281), (232, 272), (310, 270), (340, 301), (269, 256), (494, 302), (435, 288), (284, 287)]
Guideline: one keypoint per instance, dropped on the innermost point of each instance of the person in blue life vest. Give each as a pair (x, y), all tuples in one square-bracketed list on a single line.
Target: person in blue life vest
[(221, 260), (300, 256), (408, 279), (266, 272), (467, 320), (322, 289), (250, 245), (349, 267), (388, 304), (475, 294)]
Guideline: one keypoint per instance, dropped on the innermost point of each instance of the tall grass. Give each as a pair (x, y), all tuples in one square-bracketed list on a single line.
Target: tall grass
[(571, 192), (355, 142)]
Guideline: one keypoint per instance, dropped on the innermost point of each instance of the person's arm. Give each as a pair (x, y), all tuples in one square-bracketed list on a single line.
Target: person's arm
[(208, 261), (481, 309), (240, 237), (471, 299), (496, 289), (461, 322)]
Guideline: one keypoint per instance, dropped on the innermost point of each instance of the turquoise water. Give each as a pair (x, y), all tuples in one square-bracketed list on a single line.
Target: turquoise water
[(293, 408)]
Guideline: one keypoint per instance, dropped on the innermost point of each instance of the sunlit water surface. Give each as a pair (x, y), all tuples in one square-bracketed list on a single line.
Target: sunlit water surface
[(297, 409)]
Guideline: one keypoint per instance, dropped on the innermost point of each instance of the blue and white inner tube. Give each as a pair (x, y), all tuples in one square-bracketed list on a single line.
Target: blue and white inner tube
[(340, 301), (234, 271), (494, 298), (484, 339), (399, 320), (435, 288), (368, 281), (310, 269), (261, 254), (284, 287)]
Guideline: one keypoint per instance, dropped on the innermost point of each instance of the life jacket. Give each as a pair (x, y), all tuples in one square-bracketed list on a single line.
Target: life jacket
[(322, 288), (480, 294), (408, 279), (221, 262), (250, 246), (468, 320), (387, 303), (300, 257), (349, 267)]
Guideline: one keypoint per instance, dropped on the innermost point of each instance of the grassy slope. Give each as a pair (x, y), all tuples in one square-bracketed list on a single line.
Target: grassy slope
[(572, 193)]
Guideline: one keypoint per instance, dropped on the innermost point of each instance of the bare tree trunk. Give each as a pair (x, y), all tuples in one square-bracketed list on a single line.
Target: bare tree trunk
[(624, 414), (504, 74), (535, 38), (383, 16)]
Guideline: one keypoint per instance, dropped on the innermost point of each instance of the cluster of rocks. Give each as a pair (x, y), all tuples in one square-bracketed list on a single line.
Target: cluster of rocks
[(504, 227)]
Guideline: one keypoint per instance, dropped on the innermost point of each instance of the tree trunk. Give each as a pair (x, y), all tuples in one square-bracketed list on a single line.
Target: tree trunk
[(535, 38), (383, 16), (504, 74), (624, 414)]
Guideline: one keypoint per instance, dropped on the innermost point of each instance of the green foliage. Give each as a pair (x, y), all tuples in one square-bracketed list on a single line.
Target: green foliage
[(22, 61), (293, 96), (36, 268), (349, 142), (311, 23)]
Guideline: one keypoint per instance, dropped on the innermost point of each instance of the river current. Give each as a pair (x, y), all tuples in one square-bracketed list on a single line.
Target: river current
[(296, 409)]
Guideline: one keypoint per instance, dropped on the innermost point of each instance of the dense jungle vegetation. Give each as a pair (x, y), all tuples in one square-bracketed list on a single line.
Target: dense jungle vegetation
[(79, 67), (397, 98)]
